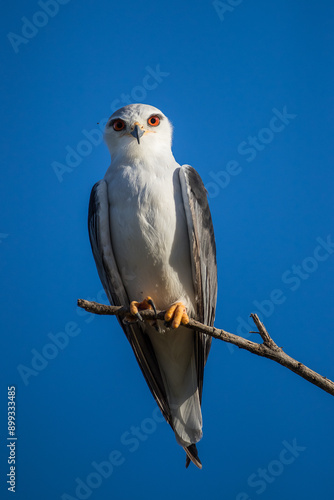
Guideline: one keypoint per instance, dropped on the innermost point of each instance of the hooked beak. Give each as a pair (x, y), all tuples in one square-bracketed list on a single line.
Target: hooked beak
[(137, 133)]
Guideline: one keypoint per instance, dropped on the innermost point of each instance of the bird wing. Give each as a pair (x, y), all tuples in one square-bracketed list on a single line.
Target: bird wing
[(203, 259), (100, 239)]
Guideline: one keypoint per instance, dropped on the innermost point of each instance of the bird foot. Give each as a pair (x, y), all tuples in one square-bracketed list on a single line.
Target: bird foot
[(177, 313), (135, 307)]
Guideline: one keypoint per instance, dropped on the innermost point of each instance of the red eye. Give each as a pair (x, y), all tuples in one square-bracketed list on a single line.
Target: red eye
[(153, 121), (118, 125)]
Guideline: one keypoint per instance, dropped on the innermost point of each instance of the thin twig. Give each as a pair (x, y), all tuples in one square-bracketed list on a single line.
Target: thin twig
[(268, 349), (267, 340)]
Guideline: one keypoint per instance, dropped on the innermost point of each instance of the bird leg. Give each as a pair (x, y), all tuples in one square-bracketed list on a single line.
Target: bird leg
[(135, 307), (178, 313)]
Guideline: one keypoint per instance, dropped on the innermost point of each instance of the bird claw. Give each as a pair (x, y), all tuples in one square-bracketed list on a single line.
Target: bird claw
[(151, 303), (139, 317), (155, 324), (135, 306), (176, 315)]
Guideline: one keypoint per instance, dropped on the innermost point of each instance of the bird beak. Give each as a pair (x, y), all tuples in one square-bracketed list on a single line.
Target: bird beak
[(137, 132)]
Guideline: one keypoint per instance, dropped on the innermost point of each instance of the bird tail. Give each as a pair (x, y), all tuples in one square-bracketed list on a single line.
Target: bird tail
[(192, 456)]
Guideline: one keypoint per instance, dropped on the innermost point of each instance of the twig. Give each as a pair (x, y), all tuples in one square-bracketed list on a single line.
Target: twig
[(268, 349)]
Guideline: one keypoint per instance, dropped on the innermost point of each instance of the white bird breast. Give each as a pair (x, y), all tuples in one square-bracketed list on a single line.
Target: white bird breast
[(149, 233)]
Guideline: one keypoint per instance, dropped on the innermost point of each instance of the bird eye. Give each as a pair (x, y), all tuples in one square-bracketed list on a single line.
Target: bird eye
[(118, 125), (153, 121)]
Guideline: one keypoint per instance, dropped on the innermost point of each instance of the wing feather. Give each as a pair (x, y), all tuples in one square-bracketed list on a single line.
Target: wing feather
[(203, 258), (100, 239)]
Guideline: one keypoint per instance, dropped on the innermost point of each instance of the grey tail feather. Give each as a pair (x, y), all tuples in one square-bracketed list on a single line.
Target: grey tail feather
[(192, 456)]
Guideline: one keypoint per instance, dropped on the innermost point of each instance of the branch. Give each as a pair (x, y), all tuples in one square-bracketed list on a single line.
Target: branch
[(268, 349)]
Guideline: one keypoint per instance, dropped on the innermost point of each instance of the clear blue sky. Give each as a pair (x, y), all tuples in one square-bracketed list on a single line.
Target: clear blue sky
[(249, 89)]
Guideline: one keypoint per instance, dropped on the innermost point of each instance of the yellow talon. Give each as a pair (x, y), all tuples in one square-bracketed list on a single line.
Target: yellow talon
[(178, 313), (135, 307)]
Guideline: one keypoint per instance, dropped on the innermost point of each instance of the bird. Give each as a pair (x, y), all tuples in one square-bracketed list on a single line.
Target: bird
[(153, 242)]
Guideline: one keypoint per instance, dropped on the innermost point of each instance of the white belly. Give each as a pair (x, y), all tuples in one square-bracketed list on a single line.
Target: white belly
[(150, 241), (149, 235)]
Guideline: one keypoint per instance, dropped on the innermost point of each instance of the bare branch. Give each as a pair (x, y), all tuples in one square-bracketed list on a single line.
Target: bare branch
[(267, 340), (268, 349)]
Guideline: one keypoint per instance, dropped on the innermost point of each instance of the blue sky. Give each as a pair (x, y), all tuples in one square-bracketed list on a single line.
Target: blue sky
[(248, 87)]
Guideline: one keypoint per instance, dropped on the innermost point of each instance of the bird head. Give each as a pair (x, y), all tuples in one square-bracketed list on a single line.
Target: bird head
[(138, 129)]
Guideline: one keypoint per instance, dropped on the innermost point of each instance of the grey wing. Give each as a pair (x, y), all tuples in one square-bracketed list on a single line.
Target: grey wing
[(203, 259), (100, 239)]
